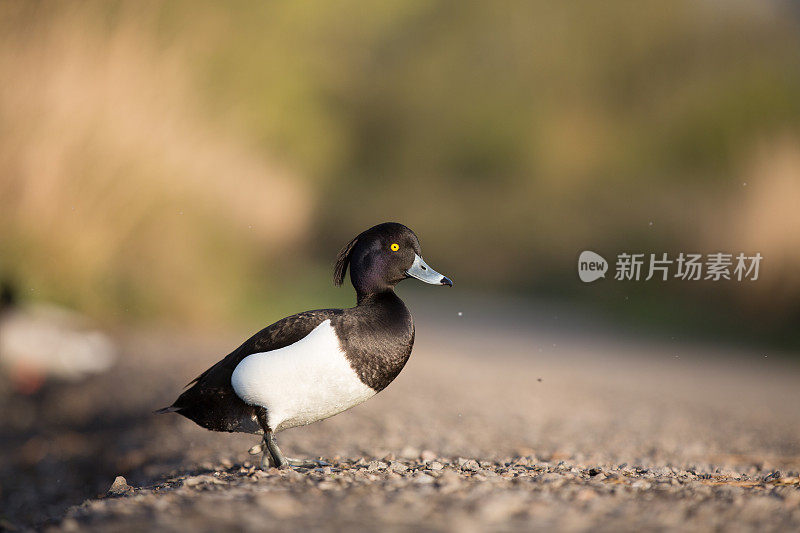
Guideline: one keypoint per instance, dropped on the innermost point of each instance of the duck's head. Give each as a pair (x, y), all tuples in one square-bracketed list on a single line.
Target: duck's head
[(382, 257)]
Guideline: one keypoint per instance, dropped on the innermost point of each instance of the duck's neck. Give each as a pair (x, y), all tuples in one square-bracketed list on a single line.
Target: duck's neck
[(376, 297), (387, 313), (378, 338)]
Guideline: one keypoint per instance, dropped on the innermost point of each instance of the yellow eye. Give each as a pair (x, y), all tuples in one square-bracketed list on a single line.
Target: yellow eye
[(394, 247)]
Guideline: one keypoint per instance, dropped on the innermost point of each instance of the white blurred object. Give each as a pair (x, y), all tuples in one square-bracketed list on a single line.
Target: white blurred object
[(42, 341)]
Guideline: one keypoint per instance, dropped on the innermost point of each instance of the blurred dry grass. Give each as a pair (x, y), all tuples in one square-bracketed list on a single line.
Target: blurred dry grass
[(179, 157), (766, 217), (116, 187)]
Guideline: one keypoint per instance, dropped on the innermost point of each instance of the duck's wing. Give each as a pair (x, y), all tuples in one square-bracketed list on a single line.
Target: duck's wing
[(278, 335), (210, 400)]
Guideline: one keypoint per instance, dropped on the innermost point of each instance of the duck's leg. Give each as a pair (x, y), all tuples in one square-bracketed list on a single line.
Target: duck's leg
[(272, 454), (274, 457)]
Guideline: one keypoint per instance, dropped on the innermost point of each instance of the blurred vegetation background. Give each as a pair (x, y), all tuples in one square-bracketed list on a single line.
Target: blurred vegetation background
[(199, 162)]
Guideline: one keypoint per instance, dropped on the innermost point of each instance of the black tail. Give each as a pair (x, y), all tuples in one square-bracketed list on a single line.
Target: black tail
[(165, 410), (214, 408)]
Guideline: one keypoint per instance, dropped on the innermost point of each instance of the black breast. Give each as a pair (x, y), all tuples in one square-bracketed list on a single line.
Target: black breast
[(377, 336)]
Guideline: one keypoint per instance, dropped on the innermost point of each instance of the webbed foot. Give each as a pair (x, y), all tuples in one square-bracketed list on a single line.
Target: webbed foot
[(306, 463)]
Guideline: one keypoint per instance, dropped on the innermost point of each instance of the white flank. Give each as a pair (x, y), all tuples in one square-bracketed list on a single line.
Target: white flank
[(304, 382)]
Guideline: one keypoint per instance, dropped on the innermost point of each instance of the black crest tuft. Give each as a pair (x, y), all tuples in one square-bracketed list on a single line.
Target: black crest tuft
[(342, 260)]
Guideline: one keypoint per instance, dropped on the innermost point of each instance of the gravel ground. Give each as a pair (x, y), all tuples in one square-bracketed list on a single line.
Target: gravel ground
[(444, 494), (542, 422)]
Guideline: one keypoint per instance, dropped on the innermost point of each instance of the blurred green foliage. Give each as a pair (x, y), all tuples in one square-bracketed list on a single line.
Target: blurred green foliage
[(509, 135)]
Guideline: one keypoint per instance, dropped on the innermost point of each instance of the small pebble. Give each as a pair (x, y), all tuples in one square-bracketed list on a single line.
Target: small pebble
[(398, 467), (119, 487), (376, 465), (470, 466)]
